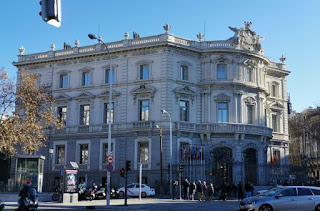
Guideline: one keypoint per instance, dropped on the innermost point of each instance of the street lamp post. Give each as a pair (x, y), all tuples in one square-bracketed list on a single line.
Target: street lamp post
[(161, 183), (164, 111), (91, 36)]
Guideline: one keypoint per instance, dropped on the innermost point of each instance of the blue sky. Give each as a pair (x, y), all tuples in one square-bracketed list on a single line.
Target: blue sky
[(290, 27)]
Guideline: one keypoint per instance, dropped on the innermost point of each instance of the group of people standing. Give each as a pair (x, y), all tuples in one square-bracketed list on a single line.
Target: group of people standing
[(227, 190)]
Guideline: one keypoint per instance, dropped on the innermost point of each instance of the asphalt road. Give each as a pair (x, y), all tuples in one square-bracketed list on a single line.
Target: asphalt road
[(153, 204)]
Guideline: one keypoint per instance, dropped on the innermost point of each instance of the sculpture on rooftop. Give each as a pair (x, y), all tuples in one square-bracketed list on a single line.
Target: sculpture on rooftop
[(167, 28), (135, 35), (246, 38)]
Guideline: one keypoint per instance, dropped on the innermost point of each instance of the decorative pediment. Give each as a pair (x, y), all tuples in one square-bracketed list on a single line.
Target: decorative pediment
[(221, 60), (143, 89), (222, 98), (106, 93), (250, 63), (62, 97), (84, 96), (184, 91), (276, 106), (250, 101)]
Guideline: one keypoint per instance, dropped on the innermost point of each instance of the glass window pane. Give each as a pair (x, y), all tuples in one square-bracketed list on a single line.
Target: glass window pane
[(222, 112), (109, 76), (60, 154), (84, 153), (144, 152), (85, 114), (144, 72), (144, 110), (184, 111), (221, 71), (106, 113), (183, 72), (85, 79)]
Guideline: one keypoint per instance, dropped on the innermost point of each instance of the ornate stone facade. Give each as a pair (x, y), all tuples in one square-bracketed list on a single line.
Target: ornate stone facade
[(227, 101)]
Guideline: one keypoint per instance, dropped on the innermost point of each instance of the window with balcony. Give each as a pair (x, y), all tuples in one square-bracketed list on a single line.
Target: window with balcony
[(62, 115), (107, 114), (84, 154), (250, 114), (221, 71), (84, 114), (275, 123), (144, 110), (109, 76), (143, 149), (144, 72), (60, 155), (184, 110), (184, 73), (222, 112), (63, 81), (105, 152), (86, 79)]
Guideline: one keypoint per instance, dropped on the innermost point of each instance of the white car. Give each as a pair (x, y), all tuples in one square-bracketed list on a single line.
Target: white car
[(133, 190)]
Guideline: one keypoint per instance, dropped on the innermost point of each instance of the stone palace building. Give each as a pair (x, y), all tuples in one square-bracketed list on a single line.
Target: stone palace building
[(227, 102)]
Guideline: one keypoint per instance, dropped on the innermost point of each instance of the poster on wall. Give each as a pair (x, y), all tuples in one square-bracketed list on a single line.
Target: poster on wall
[(71, 181)]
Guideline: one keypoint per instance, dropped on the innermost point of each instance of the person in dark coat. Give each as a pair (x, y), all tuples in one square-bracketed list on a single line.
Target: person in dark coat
[(210, 191), (248, 188), (229, 190), (174, 188), (234, 190), (193, 189), (204, 190), (186, 189), (223, 193), (240, 191), (199, 189)]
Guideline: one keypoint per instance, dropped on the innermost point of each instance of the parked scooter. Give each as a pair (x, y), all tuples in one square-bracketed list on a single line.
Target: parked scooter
[(100, 193), (113, 194), (28, 201), (87, 194)]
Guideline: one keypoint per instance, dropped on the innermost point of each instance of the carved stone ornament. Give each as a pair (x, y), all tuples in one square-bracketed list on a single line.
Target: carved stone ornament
[(53, 47), (200, 36), (250, 101), (77, 43), (62, 98), (276, 106), (222, 98), (250, 63), (21, 50), (184, 91), (105, 94), (142, 90), (246, 38), (126, 35), (84, 96), (221, 60), (282, 59), (167, 28)]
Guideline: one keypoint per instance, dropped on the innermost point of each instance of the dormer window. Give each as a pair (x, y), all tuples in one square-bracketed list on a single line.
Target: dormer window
[(184, 74)]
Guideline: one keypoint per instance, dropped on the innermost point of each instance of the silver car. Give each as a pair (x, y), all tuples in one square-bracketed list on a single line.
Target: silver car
[(284, 198)]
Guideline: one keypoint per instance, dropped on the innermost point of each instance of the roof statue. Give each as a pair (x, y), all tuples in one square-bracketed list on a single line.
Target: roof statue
[(136, 35), (167, 28), (246, 38)]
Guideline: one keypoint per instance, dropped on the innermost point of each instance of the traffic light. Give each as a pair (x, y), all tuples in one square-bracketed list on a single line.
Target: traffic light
[(210, 174), (51, 12), (128, 165), (122, 172)]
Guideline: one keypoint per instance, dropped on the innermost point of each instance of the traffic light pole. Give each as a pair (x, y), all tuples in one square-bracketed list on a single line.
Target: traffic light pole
[(125, 189)]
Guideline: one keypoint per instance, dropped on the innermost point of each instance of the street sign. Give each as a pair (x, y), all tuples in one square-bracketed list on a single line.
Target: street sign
[(110, 167), (110, 159)]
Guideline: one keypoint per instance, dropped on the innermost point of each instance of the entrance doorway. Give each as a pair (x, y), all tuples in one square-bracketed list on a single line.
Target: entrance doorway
[(222, 165), (250, 165)]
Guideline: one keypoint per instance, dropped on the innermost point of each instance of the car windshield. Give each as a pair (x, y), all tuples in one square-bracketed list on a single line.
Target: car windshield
[(271, 192)]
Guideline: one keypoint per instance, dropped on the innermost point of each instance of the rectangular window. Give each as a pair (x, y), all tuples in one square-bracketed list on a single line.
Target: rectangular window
[(249, 74), (60, 154), (84, 153), (62, 114), (84, 114), (184, 110), (274, 91), (109, 76), (250, 114), (144, 72), (222, 112), (275, 123), (105, 152), (106, 113), (85, 79), (64, 81), (144, 152), (144, 110), (184, 72), (221, 71), (276, 157)]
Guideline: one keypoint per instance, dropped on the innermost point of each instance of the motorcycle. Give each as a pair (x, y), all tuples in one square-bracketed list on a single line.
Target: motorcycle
[(56, 196), (113, 194), (87, 194), (100, 193), (29, 202)]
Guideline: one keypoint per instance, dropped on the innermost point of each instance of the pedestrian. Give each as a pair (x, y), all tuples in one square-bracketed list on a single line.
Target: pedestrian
[(199, 189), (174, 188), (229, 190), (251, 189), (234, 190), (193, 189), (186, 187), (204, 190), (247, 188), (223, 193), (240, 191), (210, 191)]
